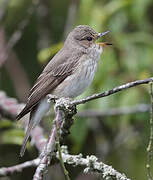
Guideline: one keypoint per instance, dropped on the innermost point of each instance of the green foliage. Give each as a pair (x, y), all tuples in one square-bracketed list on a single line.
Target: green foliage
[(45, 54), (6, 124), (12, 136)]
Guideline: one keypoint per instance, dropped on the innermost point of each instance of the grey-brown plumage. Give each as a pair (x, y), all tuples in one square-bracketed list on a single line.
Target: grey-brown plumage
[(68, 74)]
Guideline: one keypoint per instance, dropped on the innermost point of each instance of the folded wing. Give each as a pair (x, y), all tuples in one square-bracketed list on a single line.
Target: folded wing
[(59, 68)]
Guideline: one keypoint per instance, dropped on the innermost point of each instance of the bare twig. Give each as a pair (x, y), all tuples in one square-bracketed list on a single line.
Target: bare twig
[(17, 34), (10, 110), (72, 12), (112, 91), (9, 107), (18, 76), (3, 7), (150, 145), (5, 171)]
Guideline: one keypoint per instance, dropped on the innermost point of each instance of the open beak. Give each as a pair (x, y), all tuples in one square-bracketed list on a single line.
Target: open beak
[(103, 43)]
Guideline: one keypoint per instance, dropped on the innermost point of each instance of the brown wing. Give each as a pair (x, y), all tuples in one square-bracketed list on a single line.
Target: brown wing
[(55, 72)]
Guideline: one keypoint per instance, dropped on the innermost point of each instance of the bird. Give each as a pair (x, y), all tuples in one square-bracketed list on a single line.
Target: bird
[(68, 74)]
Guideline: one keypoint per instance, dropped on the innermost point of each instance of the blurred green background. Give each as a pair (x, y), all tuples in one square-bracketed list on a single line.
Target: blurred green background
[(119, 140)]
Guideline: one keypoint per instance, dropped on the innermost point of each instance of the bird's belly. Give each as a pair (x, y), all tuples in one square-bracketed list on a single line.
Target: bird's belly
[(79, 81)]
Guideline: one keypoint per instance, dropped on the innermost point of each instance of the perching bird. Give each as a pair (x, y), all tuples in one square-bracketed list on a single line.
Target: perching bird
[(68, 74)]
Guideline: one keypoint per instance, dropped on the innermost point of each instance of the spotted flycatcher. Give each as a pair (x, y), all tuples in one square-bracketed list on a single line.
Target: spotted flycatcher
[(68, 74)]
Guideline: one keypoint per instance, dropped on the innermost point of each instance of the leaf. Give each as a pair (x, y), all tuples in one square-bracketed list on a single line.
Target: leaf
[(5, 124)]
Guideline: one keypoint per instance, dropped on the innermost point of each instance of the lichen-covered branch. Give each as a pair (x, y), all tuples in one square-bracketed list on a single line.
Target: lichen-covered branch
[(5, 171), (64, 112), (65, 109), (90, 164), (112, 91)]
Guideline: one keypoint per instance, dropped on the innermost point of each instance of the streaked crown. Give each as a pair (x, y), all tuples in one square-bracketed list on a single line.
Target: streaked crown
[(83, 35)]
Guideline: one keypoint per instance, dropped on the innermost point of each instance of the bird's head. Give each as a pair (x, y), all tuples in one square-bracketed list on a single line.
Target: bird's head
[(85, 36)]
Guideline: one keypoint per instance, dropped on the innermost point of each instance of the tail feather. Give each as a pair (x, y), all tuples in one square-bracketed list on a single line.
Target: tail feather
[(36, 114), (26, 137)]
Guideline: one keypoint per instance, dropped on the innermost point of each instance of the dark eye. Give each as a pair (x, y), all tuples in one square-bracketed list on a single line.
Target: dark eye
[(89, 38)]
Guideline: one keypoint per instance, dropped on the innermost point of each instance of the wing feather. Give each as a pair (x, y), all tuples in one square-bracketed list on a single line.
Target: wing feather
[(60, 67)]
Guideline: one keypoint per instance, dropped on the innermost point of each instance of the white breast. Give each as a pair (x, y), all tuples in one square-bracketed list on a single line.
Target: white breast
[(81, 79)]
